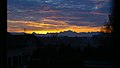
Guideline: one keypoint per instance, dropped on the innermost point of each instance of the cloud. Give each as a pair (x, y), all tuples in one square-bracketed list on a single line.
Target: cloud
[(81, 23), (57, 14), (37, 25), (41, 26)]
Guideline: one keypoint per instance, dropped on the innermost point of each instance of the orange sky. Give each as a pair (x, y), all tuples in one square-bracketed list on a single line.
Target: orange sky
[(43, 28), (54, 31)]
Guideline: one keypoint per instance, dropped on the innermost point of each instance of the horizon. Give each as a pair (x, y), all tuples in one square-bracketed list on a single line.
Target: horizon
[(56, 32)]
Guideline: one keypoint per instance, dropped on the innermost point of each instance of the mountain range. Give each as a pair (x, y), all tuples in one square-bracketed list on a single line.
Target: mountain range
[(68, 33)]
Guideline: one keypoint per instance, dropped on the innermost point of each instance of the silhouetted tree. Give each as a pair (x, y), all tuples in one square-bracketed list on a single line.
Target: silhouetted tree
[(108, 28)]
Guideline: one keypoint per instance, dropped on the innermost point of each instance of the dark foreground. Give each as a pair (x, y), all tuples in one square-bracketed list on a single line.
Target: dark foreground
[(34, 54)]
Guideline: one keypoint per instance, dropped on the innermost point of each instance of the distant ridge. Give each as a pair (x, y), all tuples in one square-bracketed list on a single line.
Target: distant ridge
[(17, 33), (68, 33)]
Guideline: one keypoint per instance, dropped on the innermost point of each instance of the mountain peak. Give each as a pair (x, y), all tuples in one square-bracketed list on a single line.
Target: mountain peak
[(70, 31)]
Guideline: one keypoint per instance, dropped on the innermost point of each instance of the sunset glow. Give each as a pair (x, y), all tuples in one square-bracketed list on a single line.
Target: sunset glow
[(44, 16), (43, 28)]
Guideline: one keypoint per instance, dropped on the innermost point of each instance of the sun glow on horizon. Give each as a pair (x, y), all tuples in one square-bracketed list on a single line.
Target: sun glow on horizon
[(45, 27), (57, 31)]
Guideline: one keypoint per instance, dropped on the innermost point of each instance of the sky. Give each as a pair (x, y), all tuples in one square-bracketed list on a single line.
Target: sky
[(42, 16)]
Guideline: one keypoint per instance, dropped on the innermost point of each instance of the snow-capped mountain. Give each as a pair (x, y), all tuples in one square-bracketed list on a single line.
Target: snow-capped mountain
[(68, 33)]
